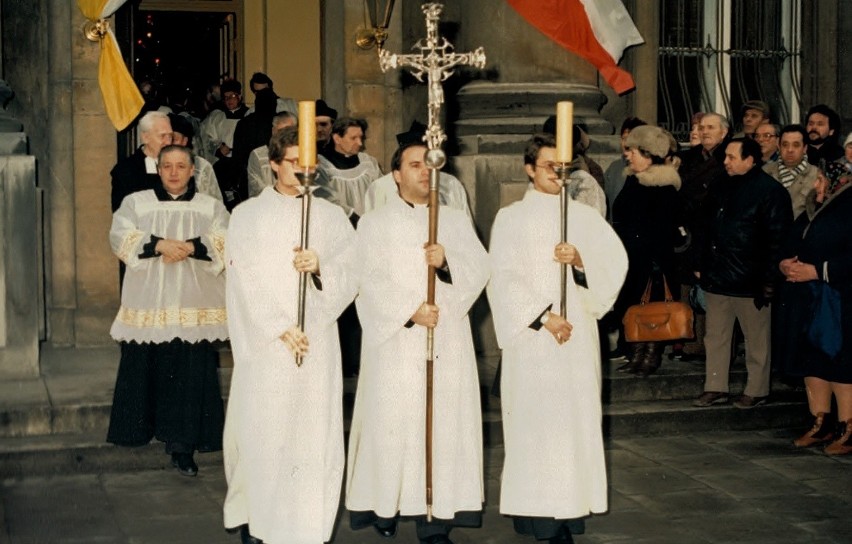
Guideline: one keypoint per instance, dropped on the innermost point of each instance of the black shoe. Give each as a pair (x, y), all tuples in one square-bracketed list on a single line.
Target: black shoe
[(563, 537), (436, 539), (246, 538), (385, 531), (185, 464)]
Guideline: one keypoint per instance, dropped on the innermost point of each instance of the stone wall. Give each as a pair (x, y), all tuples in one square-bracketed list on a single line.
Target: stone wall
[(75, 147), (19, 267)]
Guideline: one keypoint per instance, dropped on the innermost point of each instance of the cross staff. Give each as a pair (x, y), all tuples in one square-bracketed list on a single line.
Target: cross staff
[(436, 60)]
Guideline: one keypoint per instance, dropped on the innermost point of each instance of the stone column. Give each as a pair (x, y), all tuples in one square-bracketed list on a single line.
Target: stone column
[(94, 154), (353, 82), (20, 272), (58, 180), (526, 74)]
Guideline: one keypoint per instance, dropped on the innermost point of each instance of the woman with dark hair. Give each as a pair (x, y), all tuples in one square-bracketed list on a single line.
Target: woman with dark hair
[(818, 256), (643, 217)]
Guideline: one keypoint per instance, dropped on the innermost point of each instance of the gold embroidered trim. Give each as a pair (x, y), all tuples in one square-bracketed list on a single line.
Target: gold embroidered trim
[(129, 244), (184, 317), (218, 240)]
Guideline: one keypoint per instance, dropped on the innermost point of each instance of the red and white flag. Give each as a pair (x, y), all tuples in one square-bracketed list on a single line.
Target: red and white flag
[(597, 30)]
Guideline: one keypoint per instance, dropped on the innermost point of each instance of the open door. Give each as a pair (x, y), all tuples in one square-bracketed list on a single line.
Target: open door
[(178, 49)]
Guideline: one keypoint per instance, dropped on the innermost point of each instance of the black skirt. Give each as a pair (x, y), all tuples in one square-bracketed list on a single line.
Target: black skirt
[(792, 352), (169, 391)]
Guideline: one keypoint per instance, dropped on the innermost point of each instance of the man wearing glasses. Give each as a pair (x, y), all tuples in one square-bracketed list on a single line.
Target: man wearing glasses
[(767, 136), (554, 474)]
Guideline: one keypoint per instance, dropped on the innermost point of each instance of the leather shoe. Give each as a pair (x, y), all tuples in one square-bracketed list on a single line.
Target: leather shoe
[(386, 531), (822, 432), (246, 538), (563, 537), (709, 398), (436, 539), (185, 464), (747, 402)]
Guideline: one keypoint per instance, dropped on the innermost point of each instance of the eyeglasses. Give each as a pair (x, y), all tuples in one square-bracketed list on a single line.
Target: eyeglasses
[(228, 96), (763, 136), (549, 167)]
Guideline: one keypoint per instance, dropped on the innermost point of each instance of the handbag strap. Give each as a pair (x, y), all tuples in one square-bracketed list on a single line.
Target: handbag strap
[(646, 296)]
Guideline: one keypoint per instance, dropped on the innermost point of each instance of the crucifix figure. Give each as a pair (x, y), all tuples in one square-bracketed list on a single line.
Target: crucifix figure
[(436, 60)]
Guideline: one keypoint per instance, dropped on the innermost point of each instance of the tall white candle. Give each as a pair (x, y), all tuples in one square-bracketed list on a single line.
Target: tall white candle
[(564, 131)]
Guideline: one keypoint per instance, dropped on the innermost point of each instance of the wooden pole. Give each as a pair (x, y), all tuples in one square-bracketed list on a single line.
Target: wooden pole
[(430, 335)]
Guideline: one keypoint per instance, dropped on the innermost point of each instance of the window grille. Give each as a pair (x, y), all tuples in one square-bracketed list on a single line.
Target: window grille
[(717, 54)]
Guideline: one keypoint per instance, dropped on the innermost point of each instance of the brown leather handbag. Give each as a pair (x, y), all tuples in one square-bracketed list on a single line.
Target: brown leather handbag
[(657, 321)]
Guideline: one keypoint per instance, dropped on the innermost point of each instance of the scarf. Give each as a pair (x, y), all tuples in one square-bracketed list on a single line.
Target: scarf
[(837, 176), (789, 175)]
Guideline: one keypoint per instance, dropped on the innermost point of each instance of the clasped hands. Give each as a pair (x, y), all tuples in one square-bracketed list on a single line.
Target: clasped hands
[(173, 251), (795, 270)]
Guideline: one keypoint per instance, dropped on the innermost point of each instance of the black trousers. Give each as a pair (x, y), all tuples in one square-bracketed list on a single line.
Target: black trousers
[(545, 528), (425, 529), (169, 391)]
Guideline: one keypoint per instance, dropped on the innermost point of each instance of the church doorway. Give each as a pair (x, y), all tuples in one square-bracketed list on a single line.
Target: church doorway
[(176, 50)]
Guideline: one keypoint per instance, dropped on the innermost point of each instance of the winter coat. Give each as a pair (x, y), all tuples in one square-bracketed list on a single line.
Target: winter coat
[(799, 188), (644, 217), (821, 237), (698, 174), (743, 222)]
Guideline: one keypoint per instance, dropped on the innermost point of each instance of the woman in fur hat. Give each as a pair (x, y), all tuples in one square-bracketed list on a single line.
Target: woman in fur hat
[(643, 215)]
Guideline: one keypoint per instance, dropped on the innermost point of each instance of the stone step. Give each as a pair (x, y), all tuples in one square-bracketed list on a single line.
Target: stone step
[(56, 433), (674, 381), (87, 452)]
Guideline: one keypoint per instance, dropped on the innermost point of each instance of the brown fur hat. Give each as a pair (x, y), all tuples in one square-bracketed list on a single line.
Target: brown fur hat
[(649, 138)]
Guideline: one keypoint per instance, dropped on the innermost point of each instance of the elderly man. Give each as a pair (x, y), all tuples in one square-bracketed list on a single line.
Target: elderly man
[(172, 308), (766, 135), (793, 170), (744, 219), (702, 167), (258, 170), (754, 114), (138, 172)]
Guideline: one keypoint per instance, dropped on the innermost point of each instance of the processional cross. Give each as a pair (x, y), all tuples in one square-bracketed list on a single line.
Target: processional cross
[(436, 60)]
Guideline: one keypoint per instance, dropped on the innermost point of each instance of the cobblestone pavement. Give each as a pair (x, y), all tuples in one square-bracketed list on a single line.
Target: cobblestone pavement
[(741, 487)]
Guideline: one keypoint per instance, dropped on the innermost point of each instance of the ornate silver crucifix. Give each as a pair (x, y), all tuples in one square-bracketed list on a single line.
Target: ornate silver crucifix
[(436, 60)]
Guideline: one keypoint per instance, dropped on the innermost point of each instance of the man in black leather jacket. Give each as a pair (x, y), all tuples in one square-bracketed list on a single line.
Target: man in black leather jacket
[(743, 221)]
